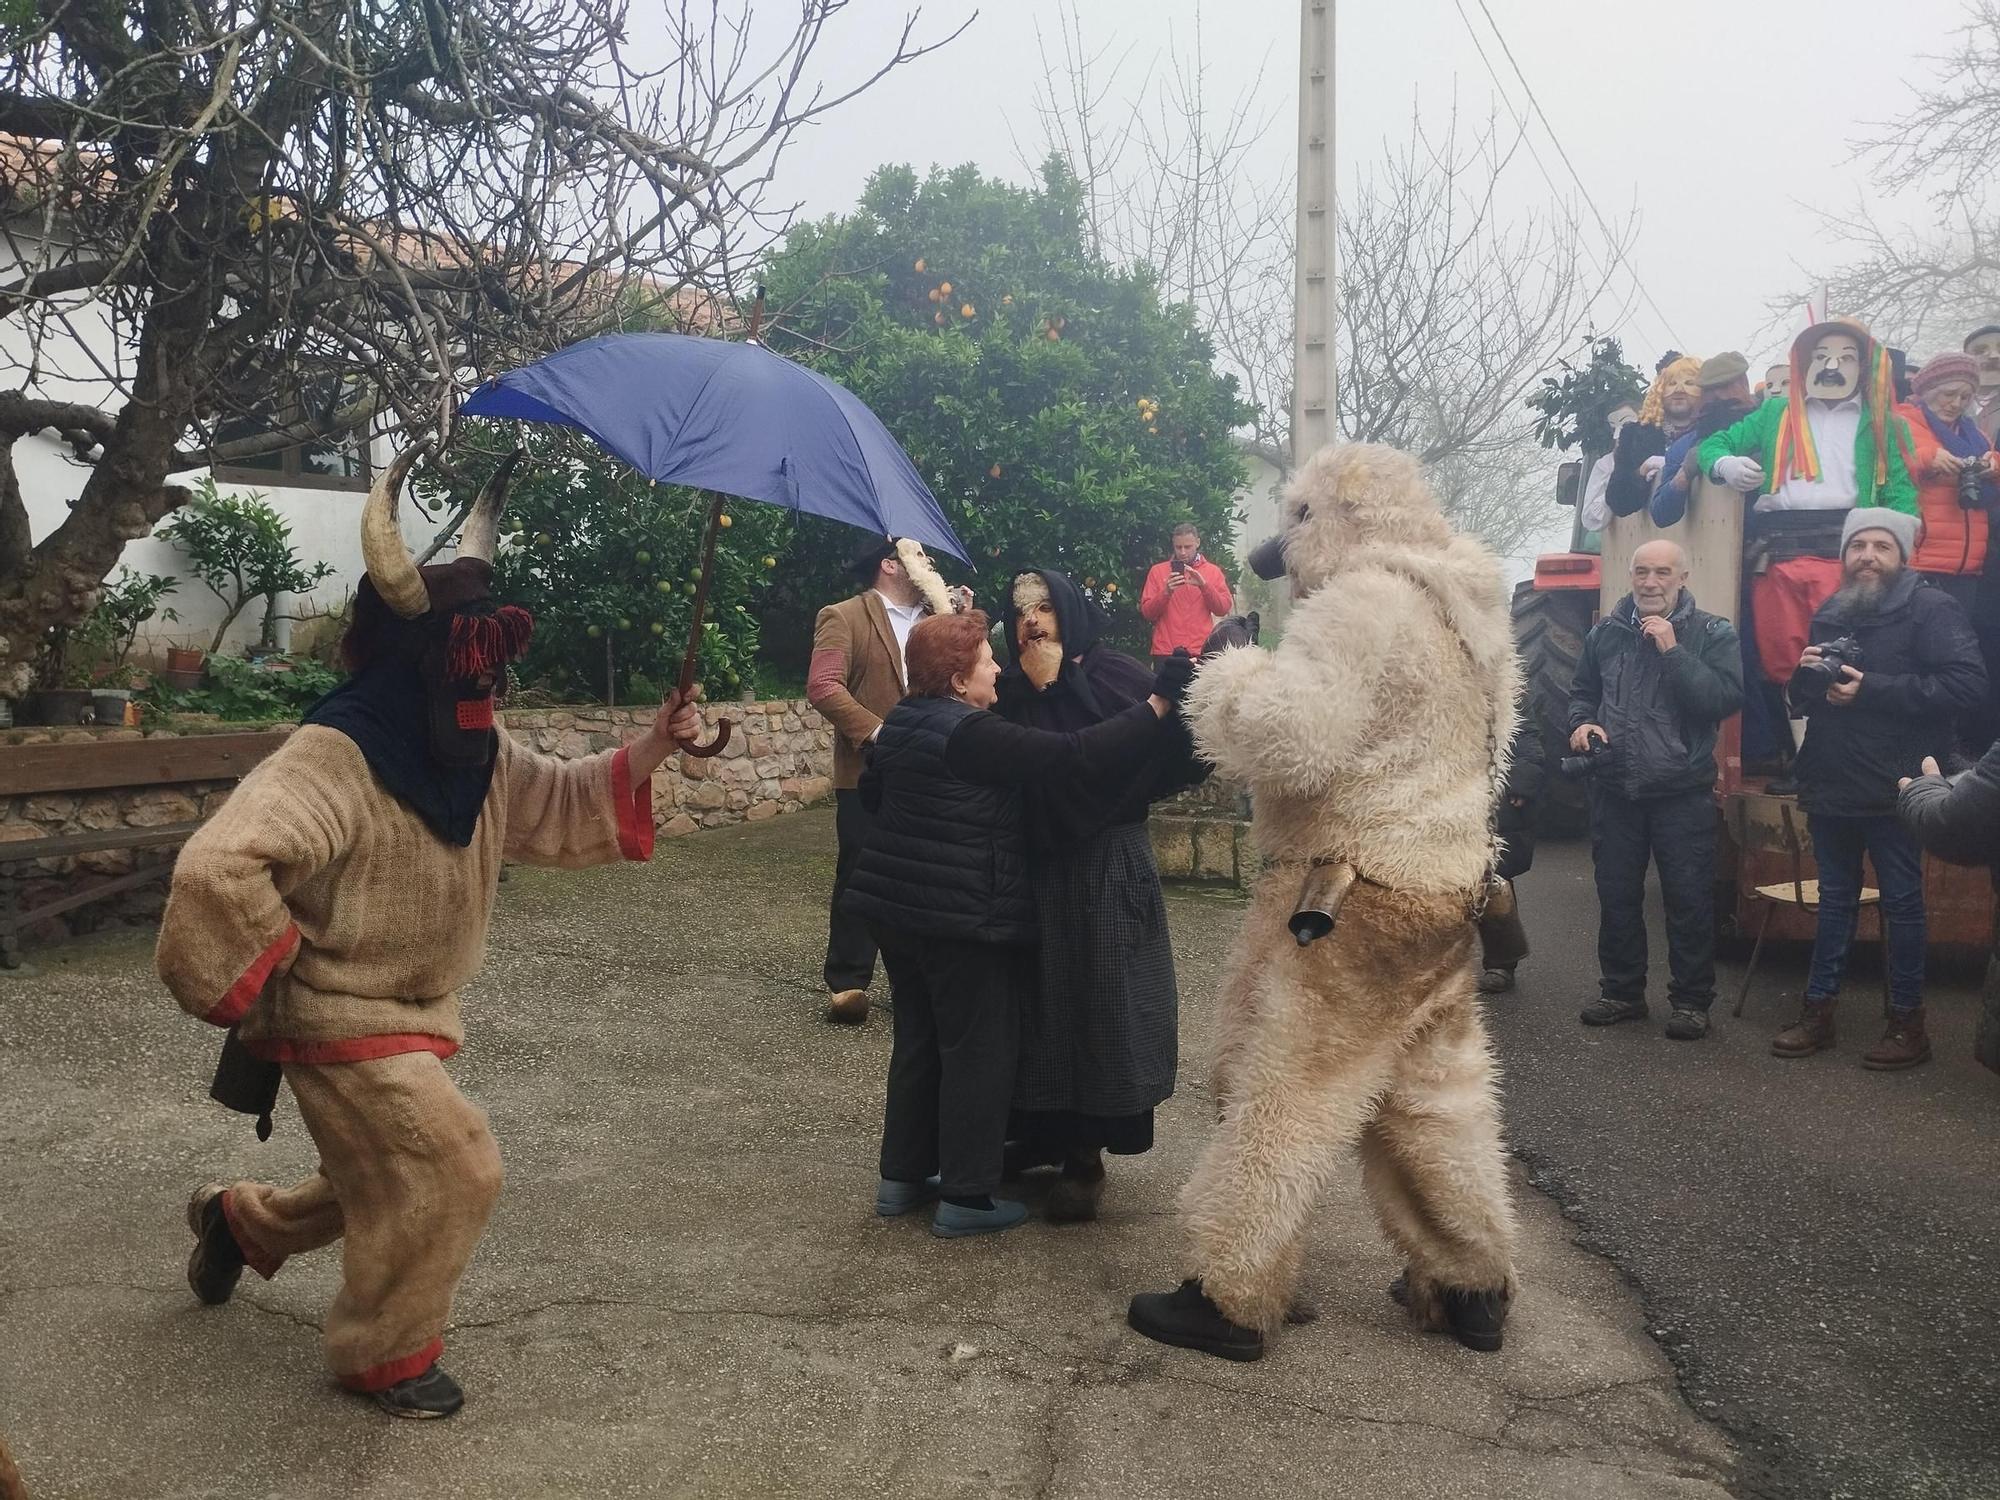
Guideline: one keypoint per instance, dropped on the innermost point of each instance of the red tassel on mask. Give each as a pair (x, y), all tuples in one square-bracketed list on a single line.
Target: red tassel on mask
[(486, 643)]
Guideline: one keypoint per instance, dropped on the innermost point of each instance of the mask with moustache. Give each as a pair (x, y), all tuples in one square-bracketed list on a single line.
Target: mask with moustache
[(1037, 631)]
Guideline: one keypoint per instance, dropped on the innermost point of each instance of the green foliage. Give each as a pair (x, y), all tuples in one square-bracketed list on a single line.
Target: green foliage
[(1575, 409), (603, 559), (93, 652), (1062, 415), (273, 690), (241, 549)]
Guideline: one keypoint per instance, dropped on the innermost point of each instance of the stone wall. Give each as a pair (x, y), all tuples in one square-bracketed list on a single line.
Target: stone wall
[(779, 759), (1203, 836), (32, 816)]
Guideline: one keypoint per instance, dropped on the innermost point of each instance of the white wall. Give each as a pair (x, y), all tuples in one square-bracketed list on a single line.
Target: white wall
[(326, 524)]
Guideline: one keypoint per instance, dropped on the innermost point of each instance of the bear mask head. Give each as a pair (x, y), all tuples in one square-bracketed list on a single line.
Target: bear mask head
[(1348, 496)]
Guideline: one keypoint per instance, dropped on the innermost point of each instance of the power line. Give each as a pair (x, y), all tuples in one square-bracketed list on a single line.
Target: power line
[(1626, 305), (1575, 176)]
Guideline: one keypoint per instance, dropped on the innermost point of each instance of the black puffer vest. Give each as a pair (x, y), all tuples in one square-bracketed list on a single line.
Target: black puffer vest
[(947, 858)]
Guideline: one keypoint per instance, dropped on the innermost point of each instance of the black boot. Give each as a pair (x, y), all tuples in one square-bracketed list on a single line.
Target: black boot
[(217, 1262), (422, 1398), (1187, 1319), (1476, 1318)]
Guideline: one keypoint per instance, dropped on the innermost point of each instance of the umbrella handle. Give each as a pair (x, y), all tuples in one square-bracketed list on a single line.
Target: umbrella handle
[(690, 661)]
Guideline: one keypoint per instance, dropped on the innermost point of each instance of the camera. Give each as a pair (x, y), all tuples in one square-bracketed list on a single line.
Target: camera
[(1969, 478), (1813, 678), (1600, 757)]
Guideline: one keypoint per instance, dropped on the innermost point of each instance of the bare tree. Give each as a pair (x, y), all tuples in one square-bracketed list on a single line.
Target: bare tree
[(261, 224), (1922, 286), (1450, 310)]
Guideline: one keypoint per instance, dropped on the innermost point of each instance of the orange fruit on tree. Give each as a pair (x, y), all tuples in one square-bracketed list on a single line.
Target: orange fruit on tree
[(965, 311), (944, 289), (919, 266), (994, 472)]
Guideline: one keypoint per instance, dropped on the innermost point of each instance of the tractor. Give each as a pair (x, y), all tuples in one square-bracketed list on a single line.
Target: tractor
[(1764, 875)]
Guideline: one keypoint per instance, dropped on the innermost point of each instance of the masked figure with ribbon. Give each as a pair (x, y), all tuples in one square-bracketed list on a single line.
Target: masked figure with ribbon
[(330, 913)]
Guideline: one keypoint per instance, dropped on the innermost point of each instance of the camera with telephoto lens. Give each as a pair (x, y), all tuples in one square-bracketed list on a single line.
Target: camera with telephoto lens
[(1811, 681), (1600, 757)]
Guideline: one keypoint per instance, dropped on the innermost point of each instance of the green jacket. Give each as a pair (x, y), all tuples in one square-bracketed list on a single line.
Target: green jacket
[(1756, 436)]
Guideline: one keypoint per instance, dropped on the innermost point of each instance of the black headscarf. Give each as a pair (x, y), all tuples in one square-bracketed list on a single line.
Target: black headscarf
[(385, 710), (1094, 684)]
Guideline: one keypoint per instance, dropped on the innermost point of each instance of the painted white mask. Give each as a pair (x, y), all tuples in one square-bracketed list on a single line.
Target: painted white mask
[(1834, 372)]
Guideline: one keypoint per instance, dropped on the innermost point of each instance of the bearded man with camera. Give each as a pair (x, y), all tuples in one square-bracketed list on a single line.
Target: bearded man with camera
[(1656, 678), (1892, 663)]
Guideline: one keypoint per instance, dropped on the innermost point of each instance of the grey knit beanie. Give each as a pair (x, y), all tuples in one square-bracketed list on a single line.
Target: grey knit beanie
[(1899, 524)]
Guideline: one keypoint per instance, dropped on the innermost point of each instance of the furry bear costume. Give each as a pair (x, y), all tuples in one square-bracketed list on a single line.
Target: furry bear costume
[(1373, 736)]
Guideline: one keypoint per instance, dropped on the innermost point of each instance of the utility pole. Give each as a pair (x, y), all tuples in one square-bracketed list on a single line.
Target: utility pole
[(1312, 351)]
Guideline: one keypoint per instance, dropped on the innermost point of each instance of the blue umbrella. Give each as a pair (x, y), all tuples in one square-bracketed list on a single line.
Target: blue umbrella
[(733, 419)]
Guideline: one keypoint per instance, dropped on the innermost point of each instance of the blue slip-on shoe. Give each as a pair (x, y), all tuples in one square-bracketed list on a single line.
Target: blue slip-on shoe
[(894, 1198), (952, 1222)]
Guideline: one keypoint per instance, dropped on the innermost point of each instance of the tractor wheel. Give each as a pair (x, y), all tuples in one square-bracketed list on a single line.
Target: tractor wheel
[(1549, 627)]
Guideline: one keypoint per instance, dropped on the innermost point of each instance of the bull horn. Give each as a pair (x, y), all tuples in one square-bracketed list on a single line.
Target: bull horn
[(481, 536), (383, 551)]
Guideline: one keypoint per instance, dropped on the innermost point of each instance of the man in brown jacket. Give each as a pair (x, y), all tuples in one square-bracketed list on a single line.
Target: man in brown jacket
[(855, 679)]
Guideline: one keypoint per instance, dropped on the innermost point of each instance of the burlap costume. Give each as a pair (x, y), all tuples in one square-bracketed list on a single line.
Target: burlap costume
[(332, 924)]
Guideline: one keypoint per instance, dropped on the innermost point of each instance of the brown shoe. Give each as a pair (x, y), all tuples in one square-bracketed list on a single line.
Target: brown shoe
[(1903, 1045), (1811, 1032), (848, 1007), (1073, 1199)]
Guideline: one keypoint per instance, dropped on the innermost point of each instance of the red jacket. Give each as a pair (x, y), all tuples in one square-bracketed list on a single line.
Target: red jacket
[(1954, 538), (1185, 616)]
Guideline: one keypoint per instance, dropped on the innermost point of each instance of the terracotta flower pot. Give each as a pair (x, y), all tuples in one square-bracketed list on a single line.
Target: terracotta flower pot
[(185, 659)]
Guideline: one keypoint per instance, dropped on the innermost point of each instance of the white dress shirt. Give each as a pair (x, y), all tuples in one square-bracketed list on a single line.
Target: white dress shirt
[(1835, 426), (902, 620)]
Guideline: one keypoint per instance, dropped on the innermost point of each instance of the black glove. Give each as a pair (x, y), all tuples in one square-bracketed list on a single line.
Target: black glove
[(1228, 634), (1175, 673)]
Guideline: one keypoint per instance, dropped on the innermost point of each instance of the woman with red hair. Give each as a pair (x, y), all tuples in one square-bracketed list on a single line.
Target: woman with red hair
[(944, 885)]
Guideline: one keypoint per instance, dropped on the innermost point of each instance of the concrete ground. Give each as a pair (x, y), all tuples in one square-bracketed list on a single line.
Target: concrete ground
[(685, 1291), (1816, 1243)]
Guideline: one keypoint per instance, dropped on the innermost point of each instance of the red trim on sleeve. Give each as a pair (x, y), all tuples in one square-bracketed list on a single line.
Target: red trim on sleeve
[(243, 994), (255, 1256), (349, 1049), (635, 808), (381, 1377)]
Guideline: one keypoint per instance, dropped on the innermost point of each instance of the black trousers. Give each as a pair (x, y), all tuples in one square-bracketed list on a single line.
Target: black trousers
[(1677, 834), (850, 948), (951, 1075)]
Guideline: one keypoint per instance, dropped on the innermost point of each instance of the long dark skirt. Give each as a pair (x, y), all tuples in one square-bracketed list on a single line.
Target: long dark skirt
[(1100, 1038)]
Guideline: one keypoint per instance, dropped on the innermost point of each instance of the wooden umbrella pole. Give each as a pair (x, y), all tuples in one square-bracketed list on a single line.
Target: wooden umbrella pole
[(691, 662)]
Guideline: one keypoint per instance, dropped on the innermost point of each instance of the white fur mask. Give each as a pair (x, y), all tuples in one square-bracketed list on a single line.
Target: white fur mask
[(924, 574), (1041, 658)]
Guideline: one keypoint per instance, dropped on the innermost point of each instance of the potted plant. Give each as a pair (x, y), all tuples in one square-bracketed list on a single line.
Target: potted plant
[(241, 549)]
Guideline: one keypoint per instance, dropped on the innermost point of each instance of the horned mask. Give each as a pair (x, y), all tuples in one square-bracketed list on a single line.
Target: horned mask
[(441, 618)]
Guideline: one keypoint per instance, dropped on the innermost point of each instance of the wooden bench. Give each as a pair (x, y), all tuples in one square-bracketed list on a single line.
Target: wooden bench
[(101, 765)]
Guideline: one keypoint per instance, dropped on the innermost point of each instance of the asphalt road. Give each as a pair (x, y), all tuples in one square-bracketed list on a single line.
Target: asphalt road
[(1817, 1246)]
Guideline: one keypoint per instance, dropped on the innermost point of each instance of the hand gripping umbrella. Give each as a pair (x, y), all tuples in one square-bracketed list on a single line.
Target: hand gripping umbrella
[(732, 419)]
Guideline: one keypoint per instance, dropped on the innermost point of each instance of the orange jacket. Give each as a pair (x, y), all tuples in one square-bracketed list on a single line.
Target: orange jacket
[(1954, 538), (1185, 616)]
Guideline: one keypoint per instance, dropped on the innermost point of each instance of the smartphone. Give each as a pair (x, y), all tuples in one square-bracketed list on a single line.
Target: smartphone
[(1179, 566)]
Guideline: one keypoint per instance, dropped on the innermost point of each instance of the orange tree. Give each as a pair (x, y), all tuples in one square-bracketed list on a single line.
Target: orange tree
[(1064, 417), (607, 563)]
